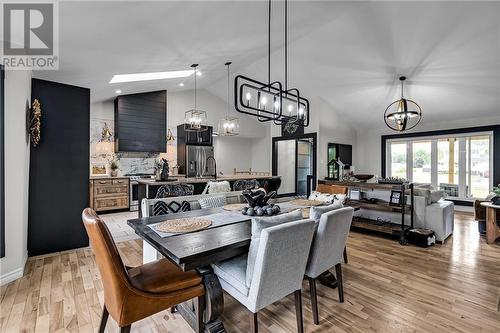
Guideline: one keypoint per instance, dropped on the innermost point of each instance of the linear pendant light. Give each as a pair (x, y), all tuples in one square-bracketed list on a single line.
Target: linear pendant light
[(271, 101), (195, 120), (228, 126), (403, 114)]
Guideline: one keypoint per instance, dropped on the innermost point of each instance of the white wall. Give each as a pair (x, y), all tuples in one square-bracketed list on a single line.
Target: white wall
[(230, 152), (368, 154), (17, 100)]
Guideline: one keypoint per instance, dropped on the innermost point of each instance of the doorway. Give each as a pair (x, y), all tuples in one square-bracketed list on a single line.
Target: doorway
[(294, 159)]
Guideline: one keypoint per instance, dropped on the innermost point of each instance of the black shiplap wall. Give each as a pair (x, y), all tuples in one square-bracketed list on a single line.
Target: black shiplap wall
[(141, 122), (59, 169)]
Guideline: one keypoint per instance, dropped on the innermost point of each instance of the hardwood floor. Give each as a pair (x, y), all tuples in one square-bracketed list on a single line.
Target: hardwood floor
[(388, 288)]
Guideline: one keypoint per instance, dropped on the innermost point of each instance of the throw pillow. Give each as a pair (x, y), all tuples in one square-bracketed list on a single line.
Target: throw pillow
[(259, 224), (318, 196), (436, 196), (212, 202), (316, 212), (218, 187), (163, 208)]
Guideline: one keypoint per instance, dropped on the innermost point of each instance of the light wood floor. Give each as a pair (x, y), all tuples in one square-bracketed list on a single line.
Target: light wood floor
[(388, 288)]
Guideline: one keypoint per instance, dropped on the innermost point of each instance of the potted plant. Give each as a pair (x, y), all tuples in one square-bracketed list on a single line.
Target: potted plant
[(496, 198), (114, 168)]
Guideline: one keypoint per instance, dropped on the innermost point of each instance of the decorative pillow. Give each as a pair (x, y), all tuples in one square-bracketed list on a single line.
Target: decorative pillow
[(340, 197), (259, 224), (436, 196), (213, 202), (316, 212), (163, 208), (423, 192), (318, 196), (218, 187)]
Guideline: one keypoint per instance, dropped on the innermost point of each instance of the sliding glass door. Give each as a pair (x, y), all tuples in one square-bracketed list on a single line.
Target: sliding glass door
[(460, 165)]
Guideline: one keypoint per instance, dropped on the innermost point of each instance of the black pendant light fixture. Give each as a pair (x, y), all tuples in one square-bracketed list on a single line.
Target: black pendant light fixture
[(195, 120), (228, 126), (271, 101), (403, 114)]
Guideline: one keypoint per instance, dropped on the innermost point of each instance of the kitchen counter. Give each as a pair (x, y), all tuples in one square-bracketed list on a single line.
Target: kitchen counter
[(193, 180)]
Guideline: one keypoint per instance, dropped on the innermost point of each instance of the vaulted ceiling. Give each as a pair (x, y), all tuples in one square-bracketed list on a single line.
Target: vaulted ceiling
[(348, 53)]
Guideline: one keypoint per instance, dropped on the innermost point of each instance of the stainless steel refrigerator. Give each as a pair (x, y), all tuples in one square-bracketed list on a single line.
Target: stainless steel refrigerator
[(196, 161)]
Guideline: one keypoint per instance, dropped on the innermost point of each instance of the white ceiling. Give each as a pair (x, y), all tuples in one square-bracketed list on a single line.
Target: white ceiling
[(348, 53)]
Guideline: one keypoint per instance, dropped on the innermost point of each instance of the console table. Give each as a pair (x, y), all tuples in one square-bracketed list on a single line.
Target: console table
[(492, 228)]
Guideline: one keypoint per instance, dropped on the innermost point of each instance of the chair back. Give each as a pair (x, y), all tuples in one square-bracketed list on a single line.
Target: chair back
[(245, 184), (113, 273), (280, 263), (174, 190), (329, 242), (332, 189)]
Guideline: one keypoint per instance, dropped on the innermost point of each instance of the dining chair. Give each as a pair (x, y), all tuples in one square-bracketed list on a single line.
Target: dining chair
[(327, 251), (245, 184), (278, 271), (135, 293), (174, 190)]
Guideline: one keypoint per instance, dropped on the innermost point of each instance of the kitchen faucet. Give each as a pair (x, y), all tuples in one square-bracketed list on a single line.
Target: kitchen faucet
[(215, 165)]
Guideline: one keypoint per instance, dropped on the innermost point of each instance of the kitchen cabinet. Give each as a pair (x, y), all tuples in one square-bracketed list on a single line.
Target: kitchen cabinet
[(109, 193)]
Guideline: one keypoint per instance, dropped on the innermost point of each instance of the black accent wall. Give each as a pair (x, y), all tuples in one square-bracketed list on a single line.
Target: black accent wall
[(59, 169), (141, 122)]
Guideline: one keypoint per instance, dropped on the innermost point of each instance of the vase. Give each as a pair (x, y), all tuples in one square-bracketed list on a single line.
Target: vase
[(114, 173)]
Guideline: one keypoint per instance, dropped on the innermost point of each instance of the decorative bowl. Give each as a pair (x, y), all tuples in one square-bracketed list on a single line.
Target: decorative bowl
[(363, 177)]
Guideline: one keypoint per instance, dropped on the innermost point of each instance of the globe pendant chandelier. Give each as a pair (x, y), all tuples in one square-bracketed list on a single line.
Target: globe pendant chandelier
[(228, 126), (403, 114), (195, 120), (271, 101)]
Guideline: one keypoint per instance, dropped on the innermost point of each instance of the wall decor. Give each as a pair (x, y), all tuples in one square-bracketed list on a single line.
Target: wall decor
[(403, 114), (396, 198), (98, 169), (35, 122), (291, 128), (271, 101)]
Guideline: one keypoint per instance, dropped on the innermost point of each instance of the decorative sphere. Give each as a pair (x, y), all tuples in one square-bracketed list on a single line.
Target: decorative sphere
[(244, 211), (259, 211), (269, 211), (250, 211)]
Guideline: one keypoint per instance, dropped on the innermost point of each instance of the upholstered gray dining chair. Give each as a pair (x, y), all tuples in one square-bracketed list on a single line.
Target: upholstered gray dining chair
[(327, 251), (174, 190), (245, 184), (278, 271)]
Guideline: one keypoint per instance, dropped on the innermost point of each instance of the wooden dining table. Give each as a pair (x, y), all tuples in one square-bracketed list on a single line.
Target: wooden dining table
[(198, 250)]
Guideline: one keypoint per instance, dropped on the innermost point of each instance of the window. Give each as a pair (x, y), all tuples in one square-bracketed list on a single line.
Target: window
[(460, 165)]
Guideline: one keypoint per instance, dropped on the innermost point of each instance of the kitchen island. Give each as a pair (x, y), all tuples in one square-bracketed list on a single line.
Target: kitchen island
[(147, 187)]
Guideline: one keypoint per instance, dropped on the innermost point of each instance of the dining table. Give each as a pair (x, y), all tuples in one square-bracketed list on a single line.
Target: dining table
[(199, 250)]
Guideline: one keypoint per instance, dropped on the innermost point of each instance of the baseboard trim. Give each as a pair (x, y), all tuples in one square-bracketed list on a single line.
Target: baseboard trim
[(15, 274)]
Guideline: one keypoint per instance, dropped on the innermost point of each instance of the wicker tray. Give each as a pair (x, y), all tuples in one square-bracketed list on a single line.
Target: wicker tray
[(184, 225), (235, 207), (307, 203)]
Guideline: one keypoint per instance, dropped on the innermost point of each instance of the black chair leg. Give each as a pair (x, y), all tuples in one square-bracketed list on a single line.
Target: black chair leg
[(314, 300), (345, 255), (104, 319), (200, 308), (125, 329), (340, 286), (173, 309), (298, 311), (254, 324)]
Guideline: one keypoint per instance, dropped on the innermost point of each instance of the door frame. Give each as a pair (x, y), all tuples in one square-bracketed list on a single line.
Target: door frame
[(276, 139)]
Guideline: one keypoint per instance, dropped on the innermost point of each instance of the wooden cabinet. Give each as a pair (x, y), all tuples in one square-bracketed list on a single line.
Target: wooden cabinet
[(109, 194)]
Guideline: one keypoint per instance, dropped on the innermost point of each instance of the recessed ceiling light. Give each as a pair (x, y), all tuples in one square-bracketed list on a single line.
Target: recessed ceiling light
[(181, 84), (150, 76), (118, 91)]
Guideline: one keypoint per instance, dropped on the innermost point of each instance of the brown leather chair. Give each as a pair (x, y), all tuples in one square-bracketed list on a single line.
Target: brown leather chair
[(132, 294)]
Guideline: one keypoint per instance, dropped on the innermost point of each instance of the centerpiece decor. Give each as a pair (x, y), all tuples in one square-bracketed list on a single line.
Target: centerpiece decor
[(403, 114), (271, 101), (195, 120), (229, 126), (258, 202)]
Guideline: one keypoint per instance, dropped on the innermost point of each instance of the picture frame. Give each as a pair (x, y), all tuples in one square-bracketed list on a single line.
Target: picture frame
[(396, 198), (98, 170)]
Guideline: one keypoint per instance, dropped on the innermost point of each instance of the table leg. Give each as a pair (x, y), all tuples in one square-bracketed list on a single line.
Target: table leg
[(328, 279), (214, 304), (492, 229)]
